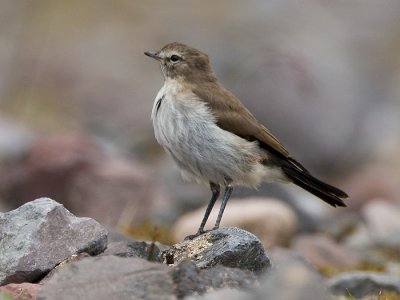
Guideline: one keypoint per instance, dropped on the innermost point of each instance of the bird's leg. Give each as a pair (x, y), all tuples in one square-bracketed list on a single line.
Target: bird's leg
[(227, 194), (215, 189)]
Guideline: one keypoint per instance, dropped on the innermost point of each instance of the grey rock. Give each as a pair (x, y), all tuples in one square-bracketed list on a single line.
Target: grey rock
[(380, 226), (140, 249), (383, 222), (95, 278), (15, 139), (189, 279), (227, 293), (231, 247), (361, 284), (37, 236), (110, 277), (75, 257), (290, 278), (115, 235)]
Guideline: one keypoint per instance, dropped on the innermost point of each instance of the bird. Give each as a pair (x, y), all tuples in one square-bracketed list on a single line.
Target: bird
[(214, 139)]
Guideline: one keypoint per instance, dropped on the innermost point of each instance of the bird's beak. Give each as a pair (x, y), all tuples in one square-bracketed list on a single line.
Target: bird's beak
[(153, 54)]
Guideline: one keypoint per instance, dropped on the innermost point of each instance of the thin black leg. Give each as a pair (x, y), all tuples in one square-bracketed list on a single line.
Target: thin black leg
[(215, 189), (227, 194)]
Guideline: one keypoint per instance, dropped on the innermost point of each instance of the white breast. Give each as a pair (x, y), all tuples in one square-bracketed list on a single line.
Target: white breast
[(187, 130)]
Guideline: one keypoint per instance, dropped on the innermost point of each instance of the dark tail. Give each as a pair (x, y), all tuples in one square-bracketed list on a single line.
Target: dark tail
[(301, 177)]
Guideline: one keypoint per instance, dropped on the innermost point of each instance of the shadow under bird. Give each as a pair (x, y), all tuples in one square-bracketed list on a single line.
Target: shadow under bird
[(214, 139)]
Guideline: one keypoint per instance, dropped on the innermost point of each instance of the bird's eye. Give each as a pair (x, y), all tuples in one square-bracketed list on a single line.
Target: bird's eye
[(175, 58)]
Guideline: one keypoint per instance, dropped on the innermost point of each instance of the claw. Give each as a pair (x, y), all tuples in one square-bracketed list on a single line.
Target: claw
[(193, 236)]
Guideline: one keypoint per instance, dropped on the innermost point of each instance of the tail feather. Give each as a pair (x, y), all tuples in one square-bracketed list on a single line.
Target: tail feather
[(301, 177)]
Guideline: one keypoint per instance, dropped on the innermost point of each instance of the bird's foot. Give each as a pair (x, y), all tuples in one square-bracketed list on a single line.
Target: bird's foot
[(193, 236)]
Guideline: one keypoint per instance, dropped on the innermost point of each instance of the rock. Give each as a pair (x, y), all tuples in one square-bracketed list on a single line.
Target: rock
[(15, 139), (20, 291), (230, 294), (75, 257), (76, 172), (383, 222), (325, 254), (189, 279), (272, 221), (380, 227), (121, 192), (95, 278), (384, 175), (145, 250), (115, 235), (290, 278), (39, 235), (230, 247), (48, 168), (393, 268), (310, 210), (361, 284)]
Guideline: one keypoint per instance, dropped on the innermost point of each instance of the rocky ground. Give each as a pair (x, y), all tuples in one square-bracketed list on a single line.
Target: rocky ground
[(48, 253), (76, 94)]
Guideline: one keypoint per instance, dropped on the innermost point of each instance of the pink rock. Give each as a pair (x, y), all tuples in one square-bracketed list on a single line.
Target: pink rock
[(324, 253), (75, 172), (22, 291), (271, 220), (376, 180)]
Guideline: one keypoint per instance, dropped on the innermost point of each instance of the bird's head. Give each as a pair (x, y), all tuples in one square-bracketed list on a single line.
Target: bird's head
[(179, 60)]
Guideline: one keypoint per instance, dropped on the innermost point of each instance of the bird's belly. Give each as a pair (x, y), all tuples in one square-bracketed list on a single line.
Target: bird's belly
[(203, 151)]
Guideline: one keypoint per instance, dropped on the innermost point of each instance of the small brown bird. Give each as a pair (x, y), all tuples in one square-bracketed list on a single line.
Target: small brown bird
[(214, 139)]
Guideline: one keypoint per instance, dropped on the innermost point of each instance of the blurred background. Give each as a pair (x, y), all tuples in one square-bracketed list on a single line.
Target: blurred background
[(76, 94)]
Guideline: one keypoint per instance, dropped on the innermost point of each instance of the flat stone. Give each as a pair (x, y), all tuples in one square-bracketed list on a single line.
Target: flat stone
[(20, 291), (141, 249), (231, 247), (37, 236), (383, 222), (189, 279), (290, 278), (324, 253), (110, 277), (361, 284)]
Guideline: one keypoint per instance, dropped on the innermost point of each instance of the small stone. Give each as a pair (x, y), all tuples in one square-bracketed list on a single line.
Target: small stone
[(383, 221), (360, 284), (15, 139), (380, 227), (141, 249), (75, 257), (324, 253), (189, 279), (227, 293), (271, 220), (385, 178), (230, 247), (290, 278), (37, 236), (20, 291)]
